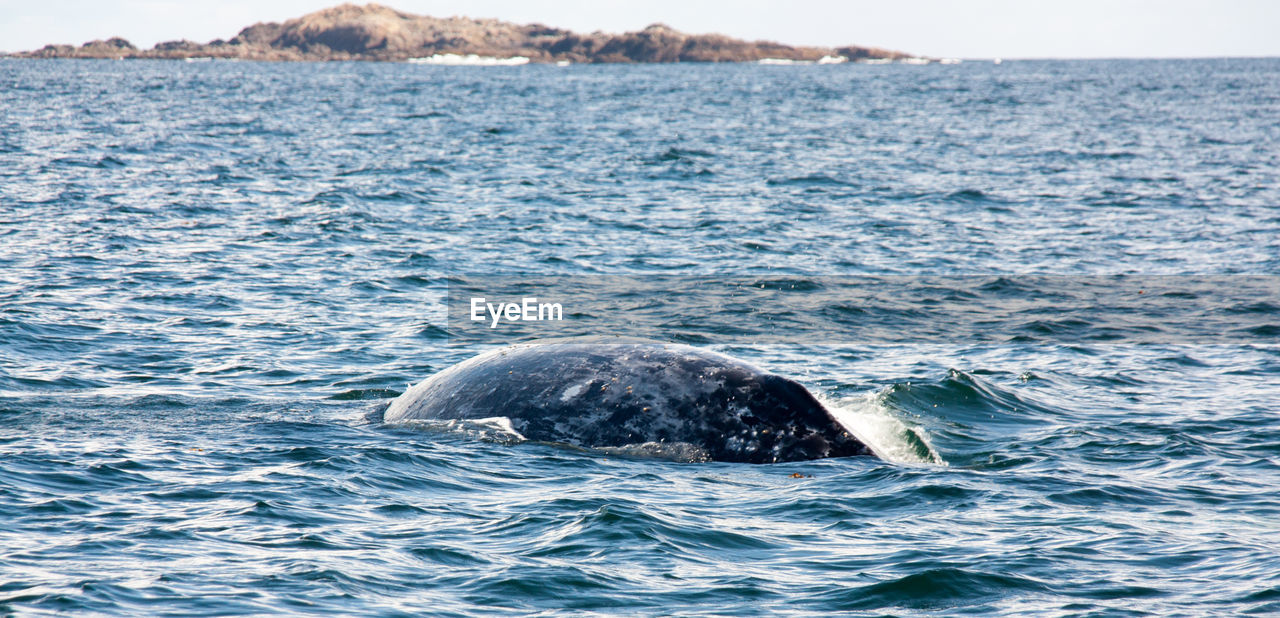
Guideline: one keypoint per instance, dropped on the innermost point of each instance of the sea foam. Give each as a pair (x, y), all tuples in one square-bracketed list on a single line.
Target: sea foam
[(470, 60)]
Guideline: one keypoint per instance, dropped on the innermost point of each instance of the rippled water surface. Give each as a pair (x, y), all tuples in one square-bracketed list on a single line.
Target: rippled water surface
[(213, 276)]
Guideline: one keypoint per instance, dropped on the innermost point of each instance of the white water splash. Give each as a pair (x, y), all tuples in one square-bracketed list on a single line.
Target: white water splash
[(891, 439), (471, 60)]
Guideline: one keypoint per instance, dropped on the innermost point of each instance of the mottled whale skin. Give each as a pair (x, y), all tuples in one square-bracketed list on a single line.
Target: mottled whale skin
[(600, 395)]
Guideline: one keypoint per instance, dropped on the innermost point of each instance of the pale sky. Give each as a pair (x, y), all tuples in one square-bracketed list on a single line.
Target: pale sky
[(960, 29)]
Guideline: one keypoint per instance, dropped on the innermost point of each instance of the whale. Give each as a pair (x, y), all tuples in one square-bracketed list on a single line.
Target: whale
[(634, 397)]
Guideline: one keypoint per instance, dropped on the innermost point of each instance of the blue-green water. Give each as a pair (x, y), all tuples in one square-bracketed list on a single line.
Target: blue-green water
[(212, 274)]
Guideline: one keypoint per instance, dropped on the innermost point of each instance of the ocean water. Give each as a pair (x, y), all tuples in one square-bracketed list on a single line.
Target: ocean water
[(213, 277)]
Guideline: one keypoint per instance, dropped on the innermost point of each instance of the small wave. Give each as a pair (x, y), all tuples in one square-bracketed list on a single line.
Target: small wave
[(943, 588), (360, 394), (870, 420), (107, 162), (423, 115), (808, 181), (982, 407), (683, 154), (967, 195)]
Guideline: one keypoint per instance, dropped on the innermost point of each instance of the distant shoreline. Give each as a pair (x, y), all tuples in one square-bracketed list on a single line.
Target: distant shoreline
[(378, 33)]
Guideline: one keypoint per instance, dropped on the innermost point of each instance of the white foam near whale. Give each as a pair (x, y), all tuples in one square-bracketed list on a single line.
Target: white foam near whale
[(891, 439)]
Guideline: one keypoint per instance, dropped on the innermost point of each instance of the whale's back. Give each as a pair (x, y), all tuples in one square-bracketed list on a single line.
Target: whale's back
[(618, 395)]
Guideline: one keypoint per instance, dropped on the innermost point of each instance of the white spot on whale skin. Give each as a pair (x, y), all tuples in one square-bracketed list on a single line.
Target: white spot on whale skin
[(492, 429), (672, 451), (572, 391)]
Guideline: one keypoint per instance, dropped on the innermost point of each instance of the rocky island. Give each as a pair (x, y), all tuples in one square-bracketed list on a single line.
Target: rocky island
[(375, 32)]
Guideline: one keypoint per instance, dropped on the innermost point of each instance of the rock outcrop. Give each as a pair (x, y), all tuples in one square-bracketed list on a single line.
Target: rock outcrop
[(375, 32)]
